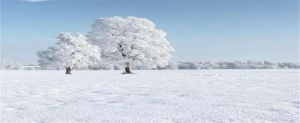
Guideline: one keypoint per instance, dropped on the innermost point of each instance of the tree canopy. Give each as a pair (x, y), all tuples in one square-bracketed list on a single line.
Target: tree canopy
[(131, 39), (69, 51)]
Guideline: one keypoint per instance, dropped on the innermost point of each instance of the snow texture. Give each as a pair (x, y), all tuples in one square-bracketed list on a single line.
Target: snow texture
[(183, 96)]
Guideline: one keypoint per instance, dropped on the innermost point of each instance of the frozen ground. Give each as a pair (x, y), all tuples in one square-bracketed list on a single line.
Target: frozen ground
[(201, 96)]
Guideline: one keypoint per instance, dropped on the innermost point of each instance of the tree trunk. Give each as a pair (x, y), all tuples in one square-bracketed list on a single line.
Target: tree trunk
[(127, 69), (68, 70)]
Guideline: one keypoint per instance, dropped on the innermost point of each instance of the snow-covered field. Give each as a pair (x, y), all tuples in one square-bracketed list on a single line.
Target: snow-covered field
[(182, 96)]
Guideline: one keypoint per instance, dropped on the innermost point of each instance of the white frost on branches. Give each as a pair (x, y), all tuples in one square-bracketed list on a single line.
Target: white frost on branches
[(131, 39), (70, 51), (8, 65)]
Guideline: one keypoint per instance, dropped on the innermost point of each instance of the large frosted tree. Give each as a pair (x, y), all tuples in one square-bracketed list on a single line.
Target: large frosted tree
[(71, 51), (131, 40)]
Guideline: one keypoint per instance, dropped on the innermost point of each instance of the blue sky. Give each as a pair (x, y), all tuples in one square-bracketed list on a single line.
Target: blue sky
[(203, 30)]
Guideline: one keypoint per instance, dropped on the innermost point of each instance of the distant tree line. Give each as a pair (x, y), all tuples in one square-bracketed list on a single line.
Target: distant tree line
[(232, 65), (8, 65)]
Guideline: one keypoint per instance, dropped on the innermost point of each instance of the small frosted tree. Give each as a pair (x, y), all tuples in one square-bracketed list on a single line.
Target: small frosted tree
[(131, 40), (8, 65), (71, 51)]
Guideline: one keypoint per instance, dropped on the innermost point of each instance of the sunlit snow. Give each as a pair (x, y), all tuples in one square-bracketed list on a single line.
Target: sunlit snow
[(150, 96)]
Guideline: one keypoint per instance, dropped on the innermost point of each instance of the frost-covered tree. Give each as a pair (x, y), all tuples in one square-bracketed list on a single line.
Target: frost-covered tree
[(171, 66), (131, 40), (187, 65), (71, 51), (8, 65), (269, 65)]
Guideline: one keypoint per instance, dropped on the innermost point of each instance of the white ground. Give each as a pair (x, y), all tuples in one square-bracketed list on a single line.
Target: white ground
[(201, 96)]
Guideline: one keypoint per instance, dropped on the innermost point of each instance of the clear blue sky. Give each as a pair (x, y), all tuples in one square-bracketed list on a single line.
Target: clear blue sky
[(198, 30)]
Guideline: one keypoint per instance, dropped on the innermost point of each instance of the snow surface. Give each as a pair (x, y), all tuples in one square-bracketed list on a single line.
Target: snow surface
[(150, 96)]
